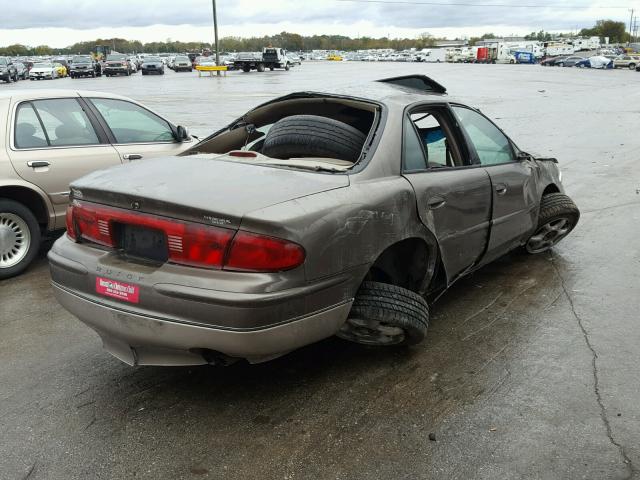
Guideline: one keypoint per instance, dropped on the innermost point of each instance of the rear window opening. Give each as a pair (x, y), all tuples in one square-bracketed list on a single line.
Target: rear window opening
[(305, 132)]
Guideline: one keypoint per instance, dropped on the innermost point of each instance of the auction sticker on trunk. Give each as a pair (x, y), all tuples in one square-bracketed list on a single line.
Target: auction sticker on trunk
[(122, 291)]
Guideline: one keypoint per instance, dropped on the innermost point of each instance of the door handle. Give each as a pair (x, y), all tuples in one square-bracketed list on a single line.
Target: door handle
[(435, 202), (38, 163), (132, 156), (501, 189)]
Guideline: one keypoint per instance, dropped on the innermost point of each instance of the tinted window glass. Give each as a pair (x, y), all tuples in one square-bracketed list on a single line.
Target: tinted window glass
[(131, 123), (413, 155), (491, 145), (29, 133), (65, 122)]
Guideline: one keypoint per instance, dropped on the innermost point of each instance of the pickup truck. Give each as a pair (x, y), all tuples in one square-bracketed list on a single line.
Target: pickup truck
[(270, 58)]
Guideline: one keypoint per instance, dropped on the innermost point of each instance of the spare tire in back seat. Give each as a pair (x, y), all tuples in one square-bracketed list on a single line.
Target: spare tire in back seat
[(313, 136)]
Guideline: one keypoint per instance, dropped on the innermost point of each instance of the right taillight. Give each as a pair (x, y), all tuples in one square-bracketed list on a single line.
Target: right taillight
[(190, 244), (260, 253)]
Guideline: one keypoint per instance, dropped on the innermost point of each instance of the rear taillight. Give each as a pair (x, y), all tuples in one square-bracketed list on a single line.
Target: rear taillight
[(189, 244), (259, 253)]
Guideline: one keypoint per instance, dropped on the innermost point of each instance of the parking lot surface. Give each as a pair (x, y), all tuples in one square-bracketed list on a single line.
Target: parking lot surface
[(530, 367)]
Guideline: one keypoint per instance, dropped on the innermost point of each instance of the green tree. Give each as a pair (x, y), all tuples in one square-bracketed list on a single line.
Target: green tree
[(616, 31)]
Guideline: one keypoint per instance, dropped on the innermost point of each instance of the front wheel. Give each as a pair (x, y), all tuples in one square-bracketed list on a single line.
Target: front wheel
[(384, 315), (287, 67), (19, 238), (632, 66), (558, 216)]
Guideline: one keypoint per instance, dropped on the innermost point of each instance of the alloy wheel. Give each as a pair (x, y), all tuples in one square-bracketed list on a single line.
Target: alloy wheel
[(15, 239), (548, 235)]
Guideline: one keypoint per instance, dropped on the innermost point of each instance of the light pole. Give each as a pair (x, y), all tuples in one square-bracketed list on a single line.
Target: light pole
[(215, 34)]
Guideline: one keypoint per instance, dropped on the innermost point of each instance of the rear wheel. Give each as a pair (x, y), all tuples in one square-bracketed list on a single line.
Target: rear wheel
[(558, 216), (19, 238), (287, 67), (385, 315), (300, 136), (260, 67), (246, 68), (632, 66)]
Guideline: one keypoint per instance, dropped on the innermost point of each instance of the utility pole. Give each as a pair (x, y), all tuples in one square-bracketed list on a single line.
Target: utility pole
[(630, 28), (215, 34)]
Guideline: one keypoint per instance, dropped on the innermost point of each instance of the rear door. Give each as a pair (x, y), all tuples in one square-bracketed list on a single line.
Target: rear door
[(55, 141), (453, 197), (136, 132), (513, 182)]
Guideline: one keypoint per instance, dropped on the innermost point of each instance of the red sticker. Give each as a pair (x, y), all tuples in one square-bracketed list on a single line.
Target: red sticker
[(122, 291)]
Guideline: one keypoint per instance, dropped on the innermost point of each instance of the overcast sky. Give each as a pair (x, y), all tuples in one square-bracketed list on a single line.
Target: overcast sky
[(60, 23)]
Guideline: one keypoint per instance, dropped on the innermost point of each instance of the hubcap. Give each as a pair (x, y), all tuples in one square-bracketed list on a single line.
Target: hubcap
[(371, 332), (15, 239), (548, 235)]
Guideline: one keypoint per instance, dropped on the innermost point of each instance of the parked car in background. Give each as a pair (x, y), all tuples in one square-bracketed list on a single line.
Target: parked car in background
[(182, 64), (626, 61), (8, 70), (43, 71), (51, 137), (551, 61), (84, 66), (152, 65), (270, 234), (23, 71), (117, 64), (597, 61), (569, 61)]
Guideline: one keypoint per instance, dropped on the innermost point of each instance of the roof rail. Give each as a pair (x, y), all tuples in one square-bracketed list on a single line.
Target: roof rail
[(421, 83)]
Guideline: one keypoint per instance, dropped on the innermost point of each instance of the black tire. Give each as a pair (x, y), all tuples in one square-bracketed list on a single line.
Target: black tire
[(385, 315), (272, 68), (632, 66), (287, 67), (246, 68), (313, 136), (19, 210), (555, 208), (260, 67)]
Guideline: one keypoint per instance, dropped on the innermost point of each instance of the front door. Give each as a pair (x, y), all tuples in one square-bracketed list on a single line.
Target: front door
[(137, 133), (513, 183), (54, 142), (453, 199)]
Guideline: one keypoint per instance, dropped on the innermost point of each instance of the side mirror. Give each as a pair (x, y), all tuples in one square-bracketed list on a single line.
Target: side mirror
[(181, 133)]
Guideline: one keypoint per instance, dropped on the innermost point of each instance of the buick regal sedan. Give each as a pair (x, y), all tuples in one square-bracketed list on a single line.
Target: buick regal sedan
[(51, 137), (312, 215)]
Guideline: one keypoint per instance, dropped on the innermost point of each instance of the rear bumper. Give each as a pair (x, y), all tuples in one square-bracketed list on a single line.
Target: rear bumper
[(143, 340)]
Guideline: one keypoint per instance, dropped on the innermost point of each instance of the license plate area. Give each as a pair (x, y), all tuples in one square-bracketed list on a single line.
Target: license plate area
[(143, 243)]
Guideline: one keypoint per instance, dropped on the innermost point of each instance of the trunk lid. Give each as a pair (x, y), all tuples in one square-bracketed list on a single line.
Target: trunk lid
[(208, 189)]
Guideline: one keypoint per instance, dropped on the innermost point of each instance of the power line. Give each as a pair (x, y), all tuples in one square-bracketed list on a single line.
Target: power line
[(483, 5)]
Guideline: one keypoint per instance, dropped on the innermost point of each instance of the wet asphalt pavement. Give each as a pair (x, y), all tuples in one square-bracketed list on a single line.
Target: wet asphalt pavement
[(531, 368)]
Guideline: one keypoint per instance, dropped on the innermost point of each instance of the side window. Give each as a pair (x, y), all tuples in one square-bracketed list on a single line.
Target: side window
[(491, 145), (426, 144), (131, 123), (412, 153), (29, 132), (65, 122)]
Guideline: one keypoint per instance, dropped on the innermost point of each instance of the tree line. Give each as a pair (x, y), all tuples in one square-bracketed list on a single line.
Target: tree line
[(295, 42)]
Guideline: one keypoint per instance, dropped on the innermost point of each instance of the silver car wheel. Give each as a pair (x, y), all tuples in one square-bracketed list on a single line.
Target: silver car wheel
[(548, 235), (15, 239), (371, 332)]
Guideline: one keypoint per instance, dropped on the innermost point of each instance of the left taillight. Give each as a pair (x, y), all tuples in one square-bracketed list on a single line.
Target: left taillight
[(189, 244)]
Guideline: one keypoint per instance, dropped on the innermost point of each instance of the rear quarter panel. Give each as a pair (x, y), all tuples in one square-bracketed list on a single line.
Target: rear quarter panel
[(346, 228)]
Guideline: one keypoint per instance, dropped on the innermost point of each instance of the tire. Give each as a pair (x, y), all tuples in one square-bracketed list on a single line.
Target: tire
[(632, 66), (246, 68), (287, 67), (385, 315), (260, 67), (313, 136), (558, 216), (272, 68), (15, 256)]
